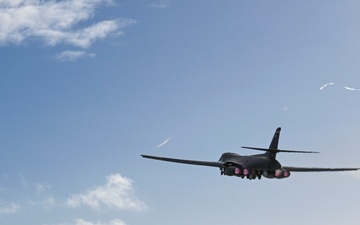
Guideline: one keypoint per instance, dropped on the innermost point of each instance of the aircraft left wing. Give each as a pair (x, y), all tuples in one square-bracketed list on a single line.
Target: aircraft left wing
[(186, 161), (307, 169)]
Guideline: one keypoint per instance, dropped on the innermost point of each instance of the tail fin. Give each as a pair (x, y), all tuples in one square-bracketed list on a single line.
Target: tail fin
[(273, 147), (275, 141)]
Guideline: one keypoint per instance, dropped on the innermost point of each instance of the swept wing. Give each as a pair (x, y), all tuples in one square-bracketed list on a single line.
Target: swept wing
[(307, 169), (186, 161)]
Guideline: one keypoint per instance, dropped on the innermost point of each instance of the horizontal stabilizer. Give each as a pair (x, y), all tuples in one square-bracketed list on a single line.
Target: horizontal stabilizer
[(277, 150)]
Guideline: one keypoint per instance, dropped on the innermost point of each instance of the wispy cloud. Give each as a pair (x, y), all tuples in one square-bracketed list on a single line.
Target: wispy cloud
[(55, 22), (41, 188), (161, 5), (47, 203), (8, 207), (113, 222), (117, 193), (74, 55), (163, 143), (85, 222)]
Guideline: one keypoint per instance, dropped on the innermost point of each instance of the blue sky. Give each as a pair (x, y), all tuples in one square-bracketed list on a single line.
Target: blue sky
[(87, 86)]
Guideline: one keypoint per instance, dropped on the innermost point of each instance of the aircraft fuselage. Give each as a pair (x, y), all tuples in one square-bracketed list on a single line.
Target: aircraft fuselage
[(258, 162), (251, 166)]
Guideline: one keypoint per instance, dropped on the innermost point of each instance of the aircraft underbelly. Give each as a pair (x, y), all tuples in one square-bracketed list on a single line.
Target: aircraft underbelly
[(260, 163)]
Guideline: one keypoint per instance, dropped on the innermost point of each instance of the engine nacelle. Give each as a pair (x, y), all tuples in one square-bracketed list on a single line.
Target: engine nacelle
[(233, 171), (279, 174)]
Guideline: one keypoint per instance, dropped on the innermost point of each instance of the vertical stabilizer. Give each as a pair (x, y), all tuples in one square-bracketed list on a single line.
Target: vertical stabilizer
[(274, 144), (275, 141)]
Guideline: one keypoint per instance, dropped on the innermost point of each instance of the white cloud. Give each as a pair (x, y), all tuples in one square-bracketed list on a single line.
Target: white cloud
[(161, 5), (84, 222), (113, 222), (74, 55), (8, 208), (41, 188), (55, 22), (117, 193), (47, 203)]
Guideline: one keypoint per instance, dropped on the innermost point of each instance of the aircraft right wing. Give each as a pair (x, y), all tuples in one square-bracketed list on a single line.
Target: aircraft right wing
[(308, 169), (186, 161)]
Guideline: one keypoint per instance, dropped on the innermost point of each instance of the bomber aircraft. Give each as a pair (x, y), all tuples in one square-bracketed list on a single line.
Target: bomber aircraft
[(254, 166)]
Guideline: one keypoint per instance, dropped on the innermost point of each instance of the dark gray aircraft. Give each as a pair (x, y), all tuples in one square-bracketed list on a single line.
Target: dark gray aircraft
[(253, 166)]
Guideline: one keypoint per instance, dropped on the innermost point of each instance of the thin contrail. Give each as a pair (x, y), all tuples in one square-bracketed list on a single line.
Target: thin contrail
[(162, 144), (328, 84), (351, 89), (346, 87)]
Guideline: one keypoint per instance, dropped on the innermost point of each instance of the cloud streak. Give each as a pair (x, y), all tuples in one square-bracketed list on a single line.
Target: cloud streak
[(113, 222), (55, 22), (8, 208), (74, 55), (85, 222), (161, 5), (117, 193)]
